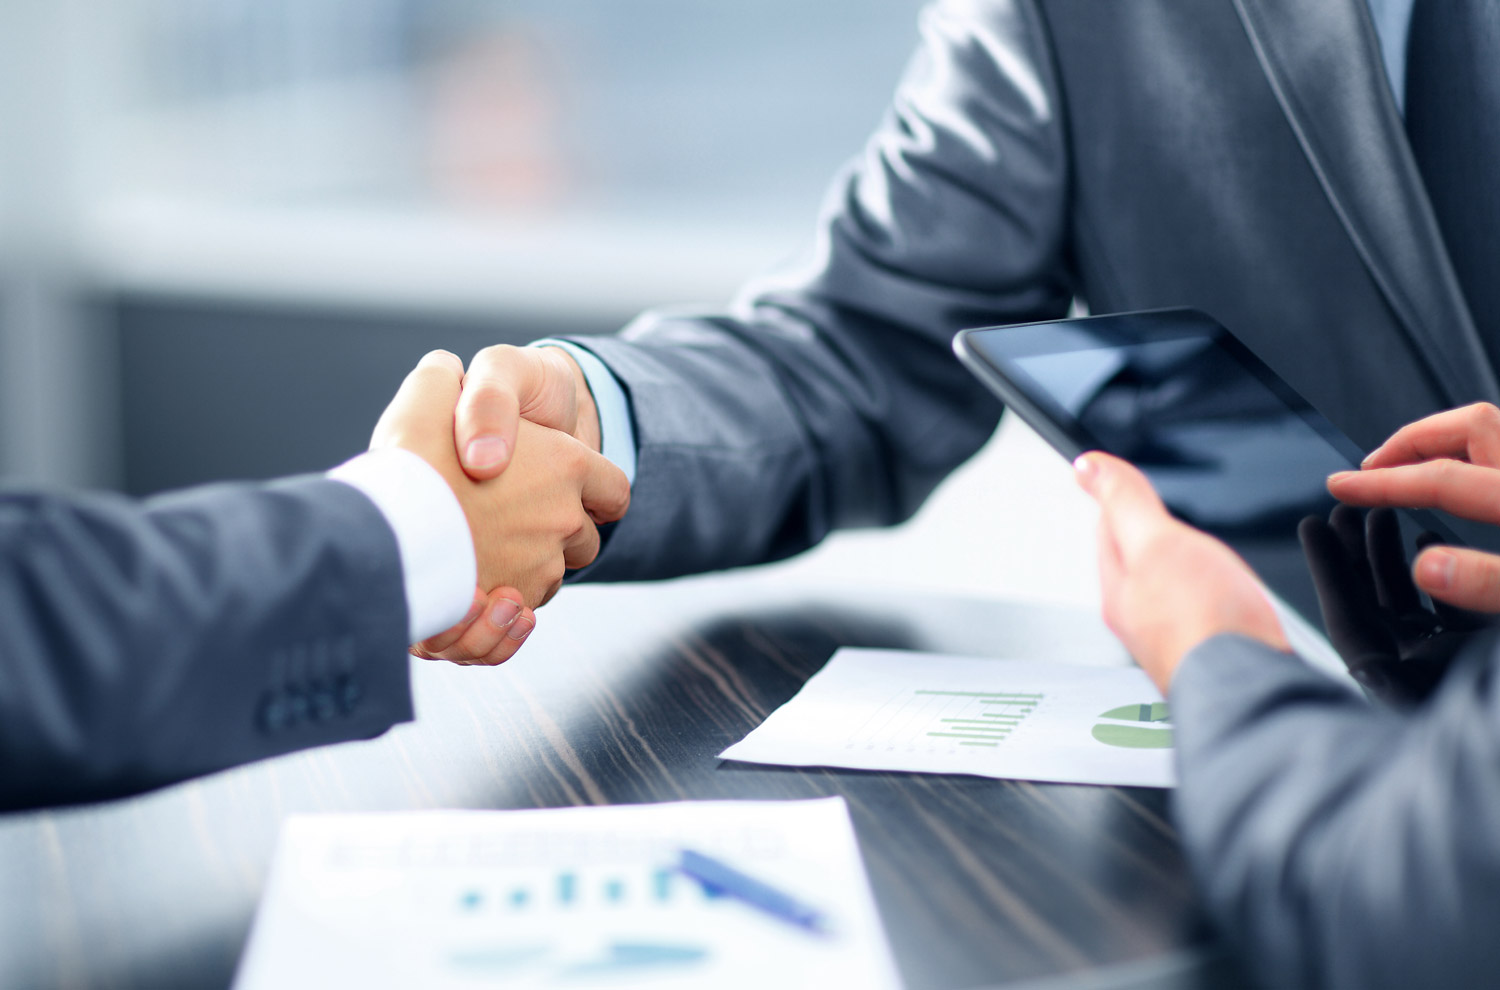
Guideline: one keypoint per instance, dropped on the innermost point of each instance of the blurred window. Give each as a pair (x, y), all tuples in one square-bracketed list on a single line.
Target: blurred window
[(692, 109)]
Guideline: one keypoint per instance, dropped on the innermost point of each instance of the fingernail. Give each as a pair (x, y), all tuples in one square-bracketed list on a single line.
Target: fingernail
[(1436, 569), (1338, 476), (521, 629), (503, 615), (483, 452), (1086, 469), (1369, 457)]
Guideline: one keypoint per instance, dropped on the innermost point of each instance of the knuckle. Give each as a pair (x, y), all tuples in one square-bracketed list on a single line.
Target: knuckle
[(443, 358), (1485, 569), (437, 365), (584, 550), (616, 500), (576, 457), (487, 390), (459, 653), (1487, 419), (492, 358)]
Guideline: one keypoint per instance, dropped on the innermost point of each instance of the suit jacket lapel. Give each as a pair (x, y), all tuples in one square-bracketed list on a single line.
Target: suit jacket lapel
[(1337, 99)]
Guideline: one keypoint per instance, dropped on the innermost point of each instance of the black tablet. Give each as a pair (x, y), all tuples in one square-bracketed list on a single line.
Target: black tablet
[(1231, 448)]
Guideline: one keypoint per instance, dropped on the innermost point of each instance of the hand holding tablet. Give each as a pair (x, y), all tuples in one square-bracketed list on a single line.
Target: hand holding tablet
[(1229, 447)]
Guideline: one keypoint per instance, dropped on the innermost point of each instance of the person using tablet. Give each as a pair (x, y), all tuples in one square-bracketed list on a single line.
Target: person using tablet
[(1339, 844)]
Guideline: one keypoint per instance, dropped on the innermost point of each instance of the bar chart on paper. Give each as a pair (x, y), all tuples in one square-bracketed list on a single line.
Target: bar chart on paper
[(575, 898), (1017, 719), (942, 719)]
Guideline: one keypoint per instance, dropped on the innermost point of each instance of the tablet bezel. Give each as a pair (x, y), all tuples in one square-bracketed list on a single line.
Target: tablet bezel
[(1059, 427)]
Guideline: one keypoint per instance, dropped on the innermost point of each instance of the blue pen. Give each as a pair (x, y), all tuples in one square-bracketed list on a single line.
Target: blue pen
[(723, 878)]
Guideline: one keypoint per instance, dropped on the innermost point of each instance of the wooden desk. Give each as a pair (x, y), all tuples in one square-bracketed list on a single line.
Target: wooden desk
[(626, 694)]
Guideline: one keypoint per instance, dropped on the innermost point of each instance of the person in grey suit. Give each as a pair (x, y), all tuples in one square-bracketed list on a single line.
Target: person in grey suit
[(1317, 176), (143, 643), (1339, 844)]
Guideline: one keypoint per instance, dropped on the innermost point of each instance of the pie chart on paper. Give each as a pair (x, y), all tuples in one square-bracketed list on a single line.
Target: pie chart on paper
[(1140, 726)]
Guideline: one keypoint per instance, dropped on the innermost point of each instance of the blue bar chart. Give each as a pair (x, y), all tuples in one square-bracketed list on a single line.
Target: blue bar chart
[(582, 889)]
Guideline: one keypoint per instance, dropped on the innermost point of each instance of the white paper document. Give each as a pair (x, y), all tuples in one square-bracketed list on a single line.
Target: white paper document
[(575, 898), (931, 713)]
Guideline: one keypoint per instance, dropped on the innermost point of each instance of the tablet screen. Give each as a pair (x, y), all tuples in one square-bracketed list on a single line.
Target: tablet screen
[(1231, 448)]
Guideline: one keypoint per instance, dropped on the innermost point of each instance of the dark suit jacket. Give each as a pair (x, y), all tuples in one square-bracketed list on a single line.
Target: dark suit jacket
[(1342, 846), (142, 643), (1244, 157)]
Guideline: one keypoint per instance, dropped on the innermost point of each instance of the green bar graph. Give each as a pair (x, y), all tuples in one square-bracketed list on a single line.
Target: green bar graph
[(972, 730), (982, 694), (965, 720)]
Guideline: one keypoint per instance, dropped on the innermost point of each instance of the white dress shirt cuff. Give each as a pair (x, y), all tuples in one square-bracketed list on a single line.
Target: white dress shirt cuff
[(432, 535), (616, 431)]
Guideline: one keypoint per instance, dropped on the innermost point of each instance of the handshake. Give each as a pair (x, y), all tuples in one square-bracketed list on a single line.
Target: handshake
[(517, 439)]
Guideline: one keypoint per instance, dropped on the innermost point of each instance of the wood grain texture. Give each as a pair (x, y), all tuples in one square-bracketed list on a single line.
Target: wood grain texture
[(625, 695)]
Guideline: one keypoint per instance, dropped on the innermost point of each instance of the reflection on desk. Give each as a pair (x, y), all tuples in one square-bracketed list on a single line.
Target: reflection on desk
[(625, 695)]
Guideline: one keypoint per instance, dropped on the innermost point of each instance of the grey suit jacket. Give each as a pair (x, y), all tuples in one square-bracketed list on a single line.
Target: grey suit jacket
[(142, 643), (1244, 157), (1340, 845)]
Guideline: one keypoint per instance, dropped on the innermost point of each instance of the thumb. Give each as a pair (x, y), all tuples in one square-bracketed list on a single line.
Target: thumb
[(489, 411), (420, 416), (1459, 576), (1131, 511)]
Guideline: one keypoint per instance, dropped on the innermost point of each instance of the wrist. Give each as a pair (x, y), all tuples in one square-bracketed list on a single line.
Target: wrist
[(431, 527)]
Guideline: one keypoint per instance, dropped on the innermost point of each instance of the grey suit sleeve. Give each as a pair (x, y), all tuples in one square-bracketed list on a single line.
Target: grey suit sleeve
[(828, 394), (143, 643), (1340, 845)]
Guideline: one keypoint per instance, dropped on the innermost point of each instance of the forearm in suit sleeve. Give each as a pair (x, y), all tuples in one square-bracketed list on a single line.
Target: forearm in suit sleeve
[(143, 643), (1342, 845), (829, 395)]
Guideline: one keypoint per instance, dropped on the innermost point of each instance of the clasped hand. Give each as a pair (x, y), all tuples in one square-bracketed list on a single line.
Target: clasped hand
[(531, 481)]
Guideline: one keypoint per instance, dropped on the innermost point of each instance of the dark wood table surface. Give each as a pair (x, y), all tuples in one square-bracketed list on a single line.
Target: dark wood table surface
[(626, 694)]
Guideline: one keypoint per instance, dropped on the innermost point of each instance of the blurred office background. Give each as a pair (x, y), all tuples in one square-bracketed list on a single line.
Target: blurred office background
[(227, 227)]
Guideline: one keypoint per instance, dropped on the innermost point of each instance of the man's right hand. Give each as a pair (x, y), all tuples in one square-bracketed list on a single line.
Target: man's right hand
[(505, 385)]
